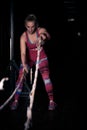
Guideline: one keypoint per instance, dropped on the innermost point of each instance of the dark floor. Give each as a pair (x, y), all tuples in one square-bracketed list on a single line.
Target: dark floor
[(42, 118), (70, 95)]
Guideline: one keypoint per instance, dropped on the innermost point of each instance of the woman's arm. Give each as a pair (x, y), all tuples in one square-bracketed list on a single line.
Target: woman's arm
[(23, 52), (44, 34)]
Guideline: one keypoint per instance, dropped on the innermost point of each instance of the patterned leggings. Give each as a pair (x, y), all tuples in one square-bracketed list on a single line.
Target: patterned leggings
[(44, 70)]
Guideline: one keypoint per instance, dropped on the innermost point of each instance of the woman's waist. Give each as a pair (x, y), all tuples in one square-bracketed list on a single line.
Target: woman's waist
[(36, 49)]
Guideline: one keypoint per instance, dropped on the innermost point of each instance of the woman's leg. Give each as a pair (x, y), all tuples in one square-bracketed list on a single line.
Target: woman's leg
[(19, 90), (44, 70)]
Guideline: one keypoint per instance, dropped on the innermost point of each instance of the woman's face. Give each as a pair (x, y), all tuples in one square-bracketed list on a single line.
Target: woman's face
[(30, 26)]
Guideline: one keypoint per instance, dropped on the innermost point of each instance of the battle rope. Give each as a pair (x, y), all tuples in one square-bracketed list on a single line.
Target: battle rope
[(32, 92), (7, 101), (2, 82), (28, 122)]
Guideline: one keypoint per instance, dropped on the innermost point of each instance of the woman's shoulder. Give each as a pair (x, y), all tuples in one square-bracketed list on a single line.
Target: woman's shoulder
[(23, 36)]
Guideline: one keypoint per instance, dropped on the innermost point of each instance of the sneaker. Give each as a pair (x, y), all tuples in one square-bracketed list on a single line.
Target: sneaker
[(52, 105), (14, 105)]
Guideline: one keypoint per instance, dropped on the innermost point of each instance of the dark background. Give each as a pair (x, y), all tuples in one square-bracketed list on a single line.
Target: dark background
[(66, 51)]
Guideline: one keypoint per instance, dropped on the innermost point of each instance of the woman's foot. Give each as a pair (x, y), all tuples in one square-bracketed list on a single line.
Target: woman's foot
[(14, 105), (52, 105)]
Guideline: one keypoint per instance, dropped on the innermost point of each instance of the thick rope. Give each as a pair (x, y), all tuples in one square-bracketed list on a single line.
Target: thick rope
[(31, 76), (28, 122), (7, 101), (31, 94), (2, 82)]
